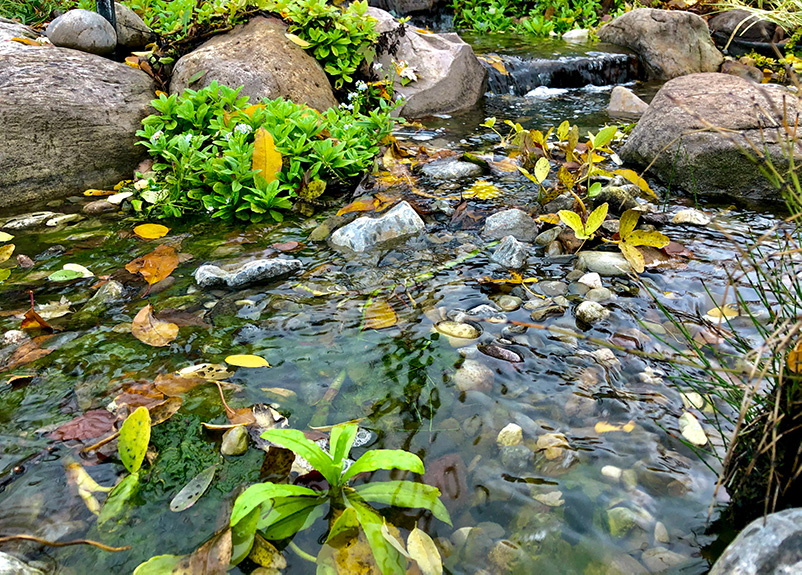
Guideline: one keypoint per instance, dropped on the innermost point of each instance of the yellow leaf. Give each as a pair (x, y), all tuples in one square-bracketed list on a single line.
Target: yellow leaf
[(633, 256), (565, 178), (121, 184), (159, 94), (644, 238), (297, 40), (795, 358), (266, 159), (482, 190), (633, 177), (542, 168), (151, 231), (152, 331), (99, 192), (552, 219), (312, 190), (26, 41), (573, 221), (727, 311), (424, 551), (494, 61), (361, 205), (378, 315), (247, 361), (596, 219), (604, 427), (132, 61), (156, 265), (6, 251), (627, 223)]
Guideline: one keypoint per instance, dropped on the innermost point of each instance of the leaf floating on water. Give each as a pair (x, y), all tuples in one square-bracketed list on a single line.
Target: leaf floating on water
[(691, 429), (79, 269), (379, 315), (158, 565), (193, 490), (423, 550), (215, 371), (156, 265), (6, 251), (163, 411), (173, 384), (247, 361), (55, 309), (725, 312), (151, 231), (91, 424), (266, 159), (152, 331), (86, 486), (483, 190), (33, 320), (604, 427), (4, 237), (64, 275), (134, 439)]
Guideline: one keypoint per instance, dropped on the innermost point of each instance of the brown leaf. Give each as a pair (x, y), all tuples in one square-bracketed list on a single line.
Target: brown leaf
[(152, 331), (91, 424), (139, 394), (378, 315), (163, 411), (26, 353), (277, 464), (242, 416), (360, 205), (173, 384), (33, 320), (156, 265), (465, 218), (677, 249), (211, 558)]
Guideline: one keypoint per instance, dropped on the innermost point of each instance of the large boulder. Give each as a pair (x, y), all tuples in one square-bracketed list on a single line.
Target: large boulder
[(450, 77), (132, 32), (83, 30), (678, 129), (765, 547), (67, 122), (670, 44), (259, 57), (10, 29)]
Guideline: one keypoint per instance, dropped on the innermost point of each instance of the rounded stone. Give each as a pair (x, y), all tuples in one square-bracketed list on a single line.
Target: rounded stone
[(83, 30), (512, 434), (591, 312), (474, 375), (235, 441), (457, 329), (509, 303)]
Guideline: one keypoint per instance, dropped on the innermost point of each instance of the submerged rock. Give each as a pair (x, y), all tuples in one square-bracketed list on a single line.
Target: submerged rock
[(604, 263), (773, 547), (512, 434), (451, 170), (474, 375), (514, 222), (365, 233), (209, 275), (235, 441), (27, 221), (83, 30), (510, 253), (591, 312)]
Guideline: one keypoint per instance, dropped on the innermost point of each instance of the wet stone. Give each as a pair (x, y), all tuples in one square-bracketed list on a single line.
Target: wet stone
[(549, 310), (517, 458), (512, 434), (660, 559), (691, 216), (545, 238), (591, 280), (599, 294), (661, 533), (27, 221), (209, 275), (62, 219), (451, 170), (365, 233), (10, 565), (474, 375), (554, 249), (509, 303), (505, 556), (591, 312), (515, 223), (552, 288), (510, 253), (612, 472), (457, 329), (621, 521), (235, 441), (603, 263), (99, 207)]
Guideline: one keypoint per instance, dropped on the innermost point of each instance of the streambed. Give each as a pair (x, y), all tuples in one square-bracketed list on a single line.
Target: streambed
[(627, 500)]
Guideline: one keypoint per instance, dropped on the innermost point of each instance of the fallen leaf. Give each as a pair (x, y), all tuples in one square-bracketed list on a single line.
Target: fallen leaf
[(423, 550), (552, 444), (215, 371), (6, 251), (379, 315), (91, 424), (552, 219), (151, 231), (85, 485), (266, 159), (79, 269), (182, 318), (264, 554), (691, 429), (4, 237), (298, 41), (63, 275), (152, 331), (55, 309), (725, 312), (95, 193), (193, 490), (495, 62), (247, 361), (134, 438), (33, 320), (156, 265), (27, 41), (172, 384), (163, 411), (482, 190), (794, 361), (604, 427), (360, 205)]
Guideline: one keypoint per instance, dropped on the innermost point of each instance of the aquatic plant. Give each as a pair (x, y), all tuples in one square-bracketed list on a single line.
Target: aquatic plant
[(216, 153)]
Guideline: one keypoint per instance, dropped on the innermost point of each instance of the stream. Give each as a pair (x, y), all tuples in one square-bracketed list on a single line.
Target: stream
[(534, 508)]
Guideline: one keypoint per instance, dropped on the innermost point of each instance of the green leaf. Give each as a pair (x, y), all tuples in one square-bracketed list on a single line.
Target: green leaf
[(134, 439), (542, 168), (119, 497), (406, 494), (643, 238), (295, 441), (573, 221), (193, 490), (341, 439), (65, 276), (5, 273), (489, 123), (290, 515), (195, 77), (158, 565), (347, 521), (604, 136), (257, 494), (595, 190), (385, 459), (4, 237), (388, 559), (596, 219), (242, 535), (627, 223)]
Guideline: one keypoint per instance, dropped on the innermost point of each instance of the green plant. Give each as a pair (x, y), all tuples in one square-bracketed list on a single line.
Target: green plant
[(280, 511), (340, 39), (36, 12), (177, 18), (484, 15), (203, 146)]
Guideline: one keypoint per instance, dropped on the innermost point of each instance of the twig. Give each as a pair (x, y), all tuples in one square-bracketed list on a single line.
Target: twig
[(41, 541)]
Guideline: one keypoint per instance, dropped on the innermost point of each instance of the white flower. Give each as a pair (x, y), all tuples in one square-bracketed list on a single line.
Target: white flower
[(352, 95), (243, 128), (187, 138), (156, 136), (377, 66), (361, 86)]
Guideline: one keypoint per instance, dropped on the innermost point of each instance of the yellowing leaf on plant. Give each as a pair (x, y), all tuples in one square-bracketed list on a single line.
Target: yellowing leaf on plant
[(596, 219), (482, 190), (627, 222), (643, 238), (247, 360), (573, 221), (297, 40), (378, 315), (562, 130), (266, 159), (542, 168), (604, 427), (794, 360), (151, 231), (95, 193), (633, 177), (6, 251), (156, 265), (604, 136), (151, 330), (312, 190), (566, 178)]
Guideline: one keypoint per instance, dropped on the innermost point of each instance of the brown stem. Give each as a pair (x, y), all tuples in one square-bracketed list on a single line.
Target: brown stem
[(8, 538)]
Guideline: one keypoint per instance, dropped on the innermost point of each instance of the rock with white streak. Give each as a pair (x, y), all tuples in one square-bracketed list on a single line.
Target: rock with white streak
[(209, 275), (365, 233)]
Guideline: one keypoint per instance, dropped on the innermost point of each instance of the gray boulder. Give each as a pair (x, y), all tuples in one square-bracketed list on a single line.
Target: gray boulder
[(132, 32), (625, 103), (773, 547), (258, 57), (209, 275), (669, 43), (709, 162), (83, 30), (513, 222), (451, 170), (449, 76), (10, 565), (10, 29), (68, 122), (365, 233)]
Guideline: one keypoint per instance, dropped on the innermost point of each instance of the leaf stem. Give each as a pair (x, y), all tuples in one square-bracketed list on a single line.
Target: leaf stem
[(301, 553)]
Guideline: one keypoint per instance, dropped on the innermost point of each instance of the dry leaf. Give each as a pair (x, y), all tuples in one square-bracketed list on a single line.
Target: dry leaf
[(173, 384), (604, 427), (152, 331), (266, 159), (794, 361), (424, 551), (6, 251), (33, 320), (378, 315), (93, 423), (156, 265), (26, 353)]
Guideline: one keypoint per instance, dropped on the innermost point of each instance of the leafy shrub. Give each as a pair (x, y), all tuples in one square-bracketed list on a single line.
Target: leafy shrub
[(203, 146), (35, 12), (168, 17)]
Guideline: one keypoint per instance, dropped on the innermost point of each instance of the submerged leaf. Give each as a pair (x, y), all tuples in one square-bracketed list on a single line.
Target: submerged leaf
[(156, 265), (152, 331), (482, 190), (423, 550), (247, 361), (193, 490), (604, 427), (119, 497), (379, 315), (134, 439), (151, 231), (6, 251)]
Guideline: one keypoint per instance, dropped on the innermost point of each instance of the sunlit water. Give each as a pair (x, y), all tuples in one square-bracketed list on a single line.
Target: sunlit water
[(399, 381)]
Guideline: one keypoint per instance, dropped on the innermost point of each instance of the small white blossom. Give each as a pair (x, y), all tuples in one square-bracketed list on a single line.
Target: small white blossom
[(243, 128), (156, 136), (187, 138), (377, 66), (361, 86)]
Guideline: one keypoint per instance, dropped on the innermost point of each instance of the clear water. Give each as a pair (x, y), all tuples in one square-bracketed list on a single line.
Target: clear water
[(399, 381)]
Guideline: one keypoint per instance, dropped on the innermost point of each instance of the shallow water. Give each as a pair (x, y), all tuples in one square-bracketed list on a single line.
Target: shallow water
[(399, 381)]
